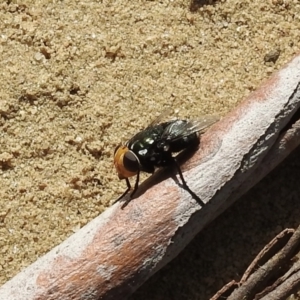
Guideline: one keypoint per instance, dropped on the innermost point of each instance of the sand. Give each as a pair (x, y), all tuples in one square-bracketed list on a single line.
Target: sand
[(79, 77)]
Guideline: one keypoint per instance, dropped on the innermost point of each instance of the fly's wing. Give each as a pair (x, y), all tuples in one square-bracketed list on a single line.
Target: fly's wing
[(179, 129), (166, 113)]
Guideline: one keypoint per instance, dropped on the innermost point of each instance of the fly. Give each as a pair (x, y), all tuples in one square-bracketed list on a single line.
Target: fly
[(155, 147)]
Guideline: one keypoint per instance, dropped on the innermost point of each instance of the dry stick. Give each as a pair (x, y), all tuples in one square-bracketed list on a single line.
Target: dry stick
[(115, 253), (264, 252), (258, 279), (284, 286), (291, 285), (263, 256), (221, 294)]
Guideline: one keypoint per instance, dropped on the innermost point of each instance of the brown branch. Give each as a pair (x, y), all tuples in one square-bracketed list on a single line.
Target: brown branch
[(257, 285), (285, 286), (225, 290), (267, 252), (115, 253)]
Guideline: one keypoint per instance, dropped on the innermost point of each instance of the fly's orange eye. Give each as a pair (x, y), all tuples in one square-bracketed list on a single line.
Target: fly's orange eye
[(126, 162), (131, 162)]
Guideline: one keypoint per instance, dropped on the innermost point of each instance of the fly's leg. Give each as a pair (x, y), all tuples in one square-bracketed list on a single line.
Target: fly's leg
[(136, 185), (126, 192), (184, 184)]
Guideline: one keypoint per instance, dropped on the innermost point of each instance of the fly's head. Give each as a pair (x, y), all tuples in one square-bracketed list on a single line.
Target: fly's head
[(126, 162)]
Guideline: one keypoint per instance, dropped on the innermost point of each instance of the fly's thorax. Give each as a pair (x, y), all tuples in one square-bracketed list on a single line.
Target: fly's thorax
[(146, 138), (163, 145), (144, 146), (126, 162)]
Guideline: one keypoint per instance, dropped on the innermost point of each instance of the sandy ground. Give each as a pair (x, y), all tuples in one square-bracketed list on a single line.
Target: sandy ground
[(79, 77)]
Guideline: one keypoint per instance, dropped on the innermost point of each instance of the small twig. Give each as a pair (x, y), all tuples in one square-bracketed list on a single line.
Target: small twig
[(265, 254), (283, 286), (258, 279), (288, 287), (221, 294)]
